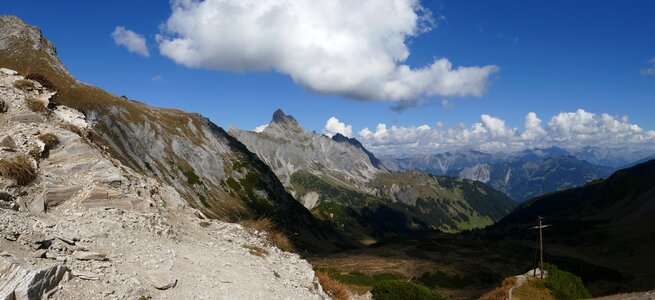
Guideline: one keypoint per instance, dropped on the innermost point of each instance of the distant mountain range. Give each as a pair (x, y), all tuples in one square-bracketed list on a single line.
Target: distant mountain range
[(342, 182), (523, 174)]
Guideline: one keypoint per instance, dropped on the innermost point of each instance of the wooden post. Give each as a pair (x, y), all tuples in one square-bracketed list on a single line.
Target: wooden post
[(541, 248)]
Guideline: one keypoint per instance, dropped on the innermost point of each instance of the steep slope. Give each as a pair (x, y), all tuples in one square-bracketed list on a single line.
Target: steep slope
[(343, 183), (608, 222), (70, 213), (211, 170), (525, 179)]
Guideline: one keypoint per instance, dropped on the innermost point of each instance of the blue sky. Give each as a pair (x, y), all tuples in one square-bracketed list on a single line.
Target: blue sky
[(554, 56)]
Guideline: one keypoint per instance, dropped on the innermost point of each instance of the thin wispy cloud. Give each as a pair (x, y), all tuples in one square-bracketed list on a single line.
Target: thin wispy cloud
[(355, 49), (650, 70), (131, 40)]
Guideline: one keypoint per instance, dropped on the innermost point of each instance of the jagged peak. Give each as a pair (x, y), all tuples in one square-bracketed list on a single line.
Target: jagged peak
[(340, 138), (285, 121)]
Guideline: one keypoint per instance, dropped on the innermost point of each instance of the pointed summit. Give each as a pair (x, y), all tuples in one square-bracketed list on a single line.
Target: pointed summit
[(340, 138), (285, 121)]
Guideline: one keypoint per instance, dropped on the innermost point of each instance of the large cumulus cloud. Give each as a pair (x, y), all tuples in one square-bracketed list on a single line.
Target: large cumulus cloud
[(567, 129), (350, 48)]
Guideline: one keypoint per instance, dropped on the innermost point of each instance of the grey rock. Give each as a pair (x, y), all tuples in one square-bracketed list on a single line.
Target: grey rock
[(28, 118), (7, 142), (87, 255), (161, 279), (18, 282)]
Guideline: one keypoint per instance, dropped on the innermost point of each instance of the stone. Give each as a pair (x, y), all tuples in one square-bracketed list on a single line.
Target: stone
[(85, 275), (87, 255), (66, 240), (20, 283), (161, 280), (28, 118), (39, 253), (5, 196), (8, 72), (7, 142)]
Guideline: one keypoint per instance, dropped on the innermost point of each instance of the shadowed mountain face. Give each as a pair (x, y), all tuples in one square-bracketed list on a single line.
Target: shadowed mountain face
[(609, 223), (603, 232), (209, 168), (343, 183), (521, 175)]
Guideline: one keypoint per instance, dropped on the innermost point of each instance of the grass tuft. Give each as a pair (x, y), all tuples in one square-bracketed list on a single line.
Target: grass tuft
[(18, 168), (73, 128), (335, 289), (256, 250), (24, 85), (35, 105), (40, 78), (273, 234), (50, 140)]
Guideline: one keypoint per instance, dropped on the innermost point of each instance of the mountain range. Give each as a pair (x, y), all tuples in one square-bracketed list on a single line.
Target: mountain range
[(520, 175), (343, 183)]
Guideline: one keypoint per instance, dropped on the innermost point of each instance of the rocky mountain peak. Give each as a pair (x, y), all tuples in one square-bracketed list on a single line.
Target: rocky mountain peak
[(18, 38), (340, 138), (285, 121)]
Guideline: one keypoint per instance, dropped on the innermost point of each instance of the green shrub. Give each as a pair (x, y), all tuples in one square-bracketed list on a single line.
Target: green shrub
[(444, 280), (393, 290), (564, 285), (191, 177)]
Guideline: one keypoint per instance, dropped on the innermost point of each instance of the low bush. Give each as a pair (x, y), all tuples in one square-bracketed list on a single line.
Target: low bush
[(335, 289), (50, 140), (35, 105), (42, 80), (19, 168), (24, 85), (393, 290), (564, 285), (273, 234), (73, 128)]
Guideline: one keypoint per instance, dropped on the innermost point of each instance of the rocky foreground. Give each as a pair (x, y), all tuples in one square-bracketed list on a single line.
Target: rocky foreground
[(84, 226)]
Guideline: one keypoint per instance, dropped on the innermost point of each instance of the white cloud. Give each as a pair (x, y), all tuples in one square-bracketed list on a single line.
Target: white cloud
[(260, 128), (445, 103), (650, 70), (157, 78), (570, 130), (334, 126), (131, 40), (352, 48)]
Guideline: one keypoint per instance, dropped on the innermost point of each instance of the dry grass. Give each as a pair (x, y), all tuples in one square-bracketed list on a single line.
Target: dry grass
[(500, 292), (335, 289), (73, 128), (50, 140), (530, 291), (35, 105), (24, 85), (256, 250), (42, 80), (273, 235), (18, 168)]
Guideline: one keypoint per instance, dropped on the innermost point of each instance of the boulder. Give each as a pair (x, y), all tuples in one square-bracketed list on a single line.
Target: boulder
[(18, 282), (7, 142), (161, 280)]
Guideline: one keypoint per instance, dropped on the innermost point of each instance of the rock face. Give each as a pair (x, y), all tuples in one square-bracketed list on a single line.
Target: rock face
[(19, 282), (287, 148), (208, 169), (86, 218)]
